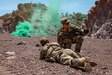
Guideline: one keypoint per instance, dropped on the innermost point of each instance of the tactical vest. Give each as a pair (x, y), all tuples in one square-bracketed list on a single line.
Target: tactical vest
[(50, 48), (65, 36)]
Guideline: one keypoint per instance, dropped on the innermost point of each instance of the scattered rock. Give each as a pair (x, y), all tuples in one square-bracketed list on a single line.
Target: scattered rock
[(10, 57), (99, 20), (22, 43), (104, 67), (10, 53), (2, 56), (43, 72), (26, 59), (37, 45)]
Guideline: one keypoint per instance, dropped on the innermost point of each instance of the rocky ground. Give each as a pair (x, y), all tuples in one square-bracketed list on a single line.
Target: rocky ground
[(99, 21), (20, 56)]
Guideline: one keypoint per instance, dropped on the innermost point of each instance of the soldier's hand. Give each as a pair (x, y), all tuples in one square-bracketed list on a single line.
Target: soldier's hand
[(60, 34)]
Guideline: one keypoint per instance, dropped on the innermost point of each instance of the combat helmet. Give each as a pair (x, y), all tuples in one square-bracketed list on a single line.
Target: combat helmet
[(65, 20), (44, 41)]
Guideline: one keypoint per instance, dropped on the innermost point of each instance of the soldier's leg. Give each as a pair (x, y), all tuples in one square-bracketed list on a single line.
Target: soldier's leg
[(87, 65), (66, 59), (79, 41), (76, 63), (67, 45), (82, 62), (72, 53), (73, 62), (62, 45)]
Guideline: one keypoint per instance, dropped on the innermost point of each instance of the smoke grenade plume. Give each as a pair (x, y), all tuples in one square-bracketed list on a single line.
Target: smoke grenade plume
[(48, 22), (23, 29), (42, 23)]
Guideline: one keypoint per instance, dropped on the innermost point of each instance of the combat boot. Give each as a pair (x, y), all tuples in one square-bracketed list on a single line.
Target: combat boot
[(82, 62), (78, 62), (87, 65)]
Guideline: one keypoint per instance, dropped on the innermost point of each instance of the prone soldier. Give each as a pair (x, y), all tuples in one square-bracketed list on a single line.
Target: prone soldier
[(52, 52), (68, 35)]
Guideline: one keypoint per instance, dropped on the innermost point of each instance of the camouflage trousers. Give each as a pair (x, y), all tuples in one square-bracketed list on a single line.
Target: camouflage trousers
[(67, 43), (65, 57), (69, 57)]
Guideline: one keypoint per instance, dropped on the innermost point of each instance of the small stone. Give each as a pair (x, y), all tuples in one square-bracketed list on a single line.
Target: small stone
[(1, 54), (37, 45), (104, 67), (22, 43), (10, 57), (43, 72), (10, 53), (78, 73), (50, 69)]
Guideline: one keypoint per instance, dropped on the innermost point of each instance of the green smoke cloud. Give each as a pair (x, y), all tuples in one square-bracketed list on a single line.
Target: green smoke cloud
[(23, 29), (42, 23), (49, 22)]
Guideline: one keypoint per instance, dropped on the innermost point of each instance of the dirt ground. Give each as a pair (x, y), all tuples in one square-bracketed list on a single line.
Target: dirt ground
[(26, 61)]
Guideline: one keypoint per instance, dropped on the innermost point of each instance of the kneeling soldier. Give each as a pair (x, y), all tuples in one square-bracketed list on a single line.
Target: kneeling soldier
[(68, 35)]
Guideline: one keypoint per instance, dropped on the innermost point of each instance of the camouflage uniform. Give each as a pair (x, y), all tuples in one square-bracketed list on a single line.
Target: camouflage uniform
[(70, 36), (52, 52)]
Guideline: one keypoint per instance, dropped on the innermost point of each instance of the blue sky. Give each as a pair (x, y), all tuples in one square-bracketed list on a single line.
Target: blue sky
[(70, 6)]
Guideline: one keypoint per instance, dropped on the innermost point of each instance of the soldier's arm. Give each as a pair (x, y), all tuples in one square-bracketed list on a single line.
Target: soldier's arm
[(84, 28), (79, 30), (42, 54), (59, 36)]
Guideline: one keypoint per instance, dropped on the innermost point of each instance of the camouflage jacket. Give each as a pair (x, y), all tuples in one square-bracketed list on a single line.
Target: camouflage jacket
[(72, 31), (66, 36), (51, 52)]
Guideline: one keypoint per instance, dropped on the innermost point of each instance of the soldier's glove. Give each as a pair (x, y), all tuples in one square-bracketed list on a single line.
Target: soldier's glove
[(60, 34)]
